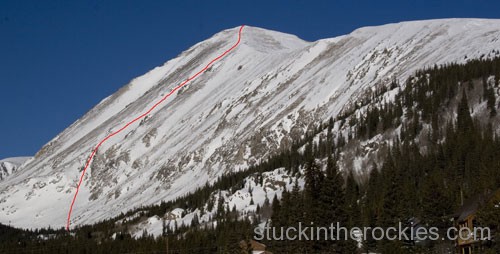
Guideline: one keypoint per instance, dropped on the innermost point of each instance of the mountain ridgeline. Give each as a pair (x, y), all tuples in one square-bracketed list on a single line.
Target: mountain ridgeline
[(437, 137)]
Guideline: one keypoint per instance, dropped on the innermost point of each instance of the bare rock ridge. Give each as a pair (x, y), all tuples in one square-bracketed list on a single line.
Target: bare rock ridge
[(273, 86)]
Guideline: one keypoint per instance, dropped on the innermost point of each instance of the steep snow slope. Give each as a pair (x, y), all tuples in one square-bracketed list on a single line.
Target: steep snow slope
[(9, 165), (248, 105)]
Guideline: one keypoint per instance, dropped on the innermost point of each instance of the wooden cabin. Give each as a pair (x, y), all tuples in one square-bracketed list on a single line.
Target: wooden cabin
[(465, 217)]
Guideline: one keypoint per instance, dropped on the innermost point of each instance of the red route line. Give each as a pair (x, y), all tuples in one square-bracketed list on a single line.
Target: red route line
[(142, 116)]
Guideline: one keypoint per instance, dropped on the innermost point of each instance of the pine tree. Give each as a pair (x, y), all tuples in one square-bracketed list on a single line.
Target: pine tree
[(195, 221), (372, 207), (220, 206), (313, 180), (491, 102), (331, 207), (164, 228), (488, 217), (464, 120), (436, 205), (352, 198)]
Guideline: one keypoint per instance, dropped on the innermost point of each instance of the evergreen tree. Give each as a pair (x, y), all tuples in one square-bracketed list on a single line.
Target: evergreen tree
[(313, 180), (491, 102), (464, 120), (436, 205), (488, 216), (220, 206), (352, 208)]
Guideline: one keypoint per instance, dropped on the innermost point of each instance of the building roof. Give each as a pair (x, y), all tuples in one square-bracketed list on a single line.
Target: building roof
[(473, 204)]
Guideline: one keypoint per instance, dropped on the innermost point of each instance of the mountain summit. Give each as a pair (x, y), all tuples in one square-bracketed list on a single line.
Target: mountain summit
[(247, 106)]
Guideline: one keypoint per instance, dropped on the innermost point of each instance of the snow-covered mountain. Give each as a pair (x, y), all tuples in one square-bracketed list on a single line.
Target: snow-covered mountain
[(10, 165), (270, 89)]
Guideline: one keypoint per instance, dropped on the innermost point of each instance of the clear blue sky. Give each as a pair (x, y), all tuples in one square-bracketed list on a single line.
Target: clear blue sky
[(59, 58)]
